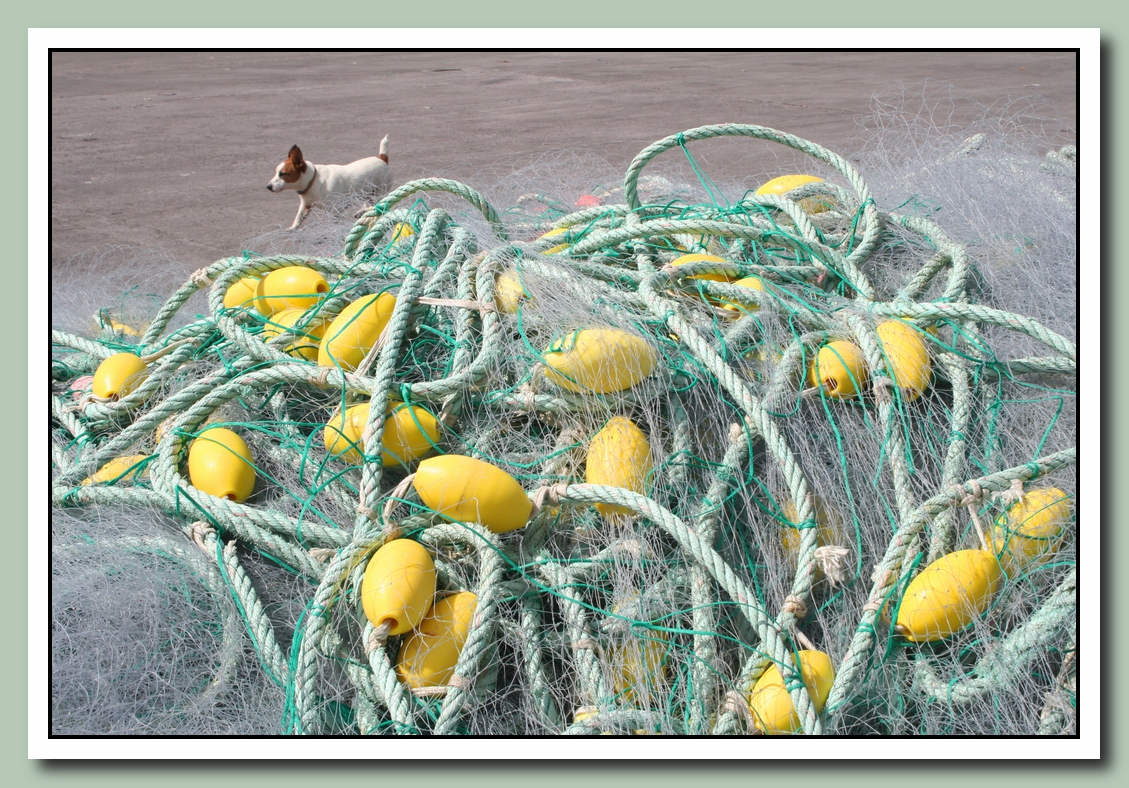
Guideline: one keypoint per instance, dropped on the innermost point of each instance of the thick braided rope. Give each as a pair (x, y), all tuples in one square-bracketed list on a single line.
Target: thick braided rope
[(414, 187), (853, 665), (997, 669), (478, 330)]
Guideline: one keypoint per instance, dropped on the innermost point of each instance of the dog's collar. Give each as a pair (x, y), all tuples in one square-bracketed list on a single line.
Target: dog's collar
[(315, 169)]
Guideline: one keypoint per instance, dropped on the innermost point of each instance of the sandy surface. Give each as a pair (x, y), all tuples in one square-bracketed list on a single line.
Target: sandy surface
[(172, 151)]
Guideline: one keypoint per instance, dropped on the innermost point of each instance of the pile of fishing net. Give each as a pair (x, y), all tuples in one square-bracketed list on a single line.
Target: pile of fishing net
[(697, 456)]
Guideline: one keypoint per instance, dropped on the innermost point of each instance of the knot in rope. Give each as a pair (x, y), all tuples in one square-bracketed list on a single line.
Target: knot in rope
[(796, 606), (200, 530), (377, 638), (551, 493), (830, 560), (736, 704), (1013, 494)]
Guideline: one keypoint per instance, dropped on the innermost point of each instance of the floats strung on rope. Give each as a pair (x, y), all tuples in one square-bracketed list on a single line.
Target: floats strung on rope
[(907, 357), (1031, 530), (121, 470), (472, 491), (948, 595), (770, 702), (752, 283), (687, 259), (508, 292), (410, 432), (293, 287), (786, 183), (599, 360), (619, 456), (354, 332), (118, 376), (220, 464), (242, 293), (428, 655), (840, 369), (308, 330), (398, 586)]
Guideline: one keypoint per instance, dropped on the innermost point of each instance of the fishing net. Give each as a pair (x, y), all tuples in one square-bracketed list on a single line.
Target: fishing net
[(735, 465)]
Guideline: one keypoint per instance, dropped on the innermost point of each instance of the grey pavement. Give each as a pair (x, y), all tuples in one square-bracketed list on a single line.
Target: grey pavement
[(172, 151)]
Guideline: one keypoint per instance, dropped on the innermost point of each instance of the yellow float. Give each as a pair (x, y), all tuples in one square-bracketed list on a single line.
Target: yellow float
[(398, 586), (619, 456), (948, 595), (307, 338), (121, 470), (686, 259), (472, 491), (293, 287), (242, 293), (771, 704), (118, 376), (410, 432), (428, 656), (786, 183), (1030, 531), (220, 464), (840, 369), (353, 333), (599, 360), (907, 357)]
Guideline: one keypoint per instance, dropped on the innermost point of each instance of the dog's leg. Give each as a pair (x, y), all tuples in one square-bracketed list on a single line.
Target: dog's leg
[(303, 212)]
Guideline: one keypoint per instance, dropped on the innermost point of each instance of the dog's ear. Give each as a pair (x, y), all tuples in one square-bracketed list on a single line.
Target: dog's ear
[(295, 155)]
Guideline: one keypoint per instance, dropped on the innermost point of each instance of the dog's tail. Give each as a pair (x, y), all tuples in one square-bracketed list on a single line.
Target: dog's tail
[(384, 149)]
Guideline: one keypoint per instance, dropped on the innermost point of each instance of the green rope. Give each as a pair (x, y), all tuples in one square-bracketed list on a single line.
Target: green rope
[(545, 592)]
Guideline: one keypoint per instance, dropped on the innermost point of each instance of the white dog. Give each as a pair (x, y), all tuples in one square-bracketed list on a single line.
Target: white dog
[(315, 182)]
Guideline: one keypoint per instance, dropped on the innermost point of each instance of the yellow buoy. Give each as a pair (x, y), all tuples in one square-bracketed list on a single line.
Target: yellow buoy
[(827, 527), (948, 595), (472, 491), (122, 328), (242, 293), (428, 656), (307, 338), (770, 702), (639, 666), (1030, 531), (401, 231), (702, 258), (121, 470), (751, 282), (398, 586), (556, 232), (353, 333), (220, 464), (293, 287), (600, 360), (409, 433), (840, 369), (509, 292), (619, 456), (786, 183), (907, 357), (118, 376)]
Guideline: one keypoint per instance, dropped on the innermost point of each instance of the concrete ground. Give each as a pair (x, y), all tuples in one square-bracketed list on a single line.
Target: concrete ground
[(172, 150)]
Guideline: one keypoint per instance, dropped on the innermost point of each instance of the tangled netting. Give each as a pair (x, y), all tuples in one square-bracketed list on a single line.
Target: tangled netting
[(775, 517)]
